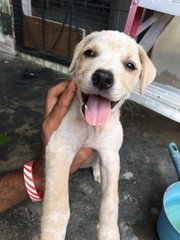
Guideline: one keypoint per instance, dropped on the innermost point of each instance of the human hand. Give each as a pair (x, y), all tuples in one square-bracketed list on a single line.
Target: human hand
[(57, 104), (12, 187)]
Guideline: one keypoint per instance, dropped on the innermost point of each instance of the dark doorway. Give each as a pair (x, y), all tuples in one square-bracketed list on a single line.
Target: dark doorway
[(52, 28)]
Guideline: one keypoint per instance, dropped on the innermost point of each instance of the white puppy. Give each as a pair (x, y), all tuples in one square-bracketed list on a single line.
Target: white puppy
[(107, 66)]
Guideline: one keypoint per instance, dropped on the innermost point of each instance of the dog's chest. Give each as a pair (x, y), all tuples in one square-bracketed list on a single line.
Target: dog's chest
[(74, 128)]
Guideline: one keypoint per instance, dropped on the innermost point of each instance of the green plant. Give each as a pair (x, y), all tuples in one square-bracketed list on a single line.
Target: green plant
[(4, 138)]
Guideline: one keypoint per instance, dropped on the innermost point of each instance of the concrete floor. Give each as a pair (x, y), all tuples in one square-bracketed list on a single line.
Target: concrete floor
[(146, 168)]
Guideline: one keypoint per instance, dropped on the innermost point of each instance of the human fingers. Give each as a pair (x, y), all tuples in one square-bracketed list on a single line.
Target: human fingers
[(53, 120), (60, 108), (53, 95)]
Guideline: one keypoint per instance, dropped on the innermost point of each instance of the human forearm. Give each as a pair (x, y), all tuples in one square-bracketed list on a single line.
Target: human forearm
[(12, 189), (12, 186)]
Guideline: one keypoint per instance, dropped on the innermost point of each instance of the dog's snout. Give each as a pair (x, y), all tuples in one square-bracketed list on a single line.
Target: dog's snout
[(102, 79)]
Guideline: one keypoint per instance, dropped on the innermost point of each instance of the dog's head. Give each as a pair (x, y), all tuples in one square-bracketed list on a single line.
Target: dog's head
[(107, 66)]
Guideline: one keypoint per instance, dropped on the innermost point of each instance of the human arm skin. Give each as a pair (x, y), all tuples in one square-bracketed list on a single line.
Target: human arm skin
[(12, 187)]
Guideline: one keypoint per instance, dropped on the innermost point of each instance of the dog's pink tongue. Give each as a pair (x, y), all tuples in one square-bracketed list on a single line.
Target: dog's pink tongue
[(97, 110)]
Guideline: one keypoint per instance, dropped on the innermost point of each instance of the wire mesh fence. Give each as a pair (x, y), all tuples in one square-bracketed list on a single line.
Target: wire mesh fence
[(52, 28)]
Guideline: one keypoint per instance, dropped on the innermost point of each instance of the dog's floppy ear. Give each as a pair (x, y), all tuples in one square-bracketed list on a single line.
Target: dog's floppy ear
[(78, 48), (148, 71)]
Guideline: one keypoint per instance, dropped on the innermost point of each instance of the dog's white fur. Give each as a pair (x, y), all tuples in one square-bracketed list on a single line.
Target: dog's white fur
[(113, 51)]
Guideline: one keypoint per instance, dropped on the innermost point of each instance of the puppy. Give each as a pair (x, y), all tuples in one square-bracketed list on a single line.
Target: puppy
[(107, 66)]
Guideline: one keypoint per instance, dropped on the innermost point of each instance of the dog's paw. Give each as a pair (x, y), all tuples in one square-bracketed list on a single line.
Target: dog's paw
[(105, 233), (96, 173)]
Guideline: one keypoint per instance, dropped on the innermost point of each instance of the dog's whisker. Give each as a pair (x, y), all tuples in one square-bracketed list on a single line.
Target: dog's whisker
[(132, 107)]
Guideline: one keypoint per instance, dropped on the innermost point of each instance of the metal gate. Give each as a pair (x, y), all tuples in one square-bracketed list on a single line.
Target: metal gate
[(51, 28)]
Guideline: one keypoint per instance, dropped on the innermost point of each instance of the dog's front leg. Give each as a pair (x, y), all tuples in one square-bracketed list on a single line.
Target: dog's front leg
[(108, 218), (56, 203)]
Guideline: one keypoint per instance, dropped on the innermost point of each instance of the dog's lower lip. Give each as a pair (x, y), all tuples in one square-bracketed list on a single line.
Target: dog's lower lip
[(85, 99)]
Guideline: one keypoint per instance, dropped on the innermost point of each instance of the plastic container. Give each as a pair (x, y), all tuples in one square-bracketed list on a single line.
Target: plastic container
[(168, 225)]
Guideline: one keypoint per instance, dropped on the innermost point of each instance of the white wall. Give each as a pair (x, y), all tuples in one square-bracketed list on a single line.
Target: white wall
[(6, 41), (166, 52)]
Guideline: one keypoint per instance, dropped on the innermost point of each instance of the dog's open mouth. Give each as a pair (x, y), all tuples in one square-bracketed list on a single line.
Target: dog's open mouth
[(96, 109)]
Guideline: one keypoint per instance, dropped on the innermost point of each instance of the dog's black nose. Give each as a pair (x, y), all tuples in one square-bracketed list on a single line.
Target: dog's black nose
[(102, 79)]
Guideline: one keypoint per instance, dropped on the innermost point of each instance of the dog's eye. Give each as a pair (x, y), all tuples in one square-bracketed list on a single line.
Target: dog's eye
[(130, 66), (89, 53)]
